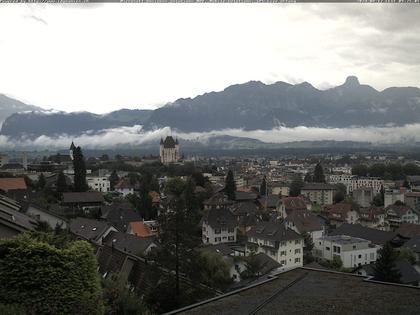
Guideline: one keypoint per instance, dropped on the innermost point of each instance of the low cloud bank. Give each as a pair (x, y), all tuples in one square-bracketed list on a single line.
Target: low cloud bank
[(136, 136)]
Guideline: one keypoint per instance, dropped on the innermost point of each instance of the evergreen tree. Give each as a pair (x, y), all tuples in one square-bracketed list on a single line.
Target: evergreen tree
[(319, 176), (113, 179), (309, 178), (230, 186), (263, 187), (61, 183), (178, 237), (295, 186), (41, 181), (307, 249), (79, 166), (340, 193), (385, 269)]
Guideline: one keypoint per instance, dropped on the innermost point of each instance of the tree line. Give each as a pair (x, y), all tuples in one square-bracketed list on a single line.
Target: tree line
[(391, 171)]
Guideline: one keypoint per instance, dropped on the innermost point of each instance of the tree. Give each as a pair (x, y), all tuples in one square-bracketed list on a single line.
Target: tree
[(340, 193), (359, 170), (337, 263), (295, 186), (379, 199), (143, 204), (179, 236), (45, 279), (230, 187), (407, 254), (309, 178), (263, 187), (319, 176), (119, 300), (41, 181), (252, 266), (214, 270), (406, 184), (61, 183), (307, 249), (113, 179), (79, 166), (385, 268)]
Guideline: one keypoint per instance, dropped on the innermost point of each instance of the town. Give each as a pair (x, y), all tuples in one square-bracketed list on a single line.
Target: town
[(208, 235)]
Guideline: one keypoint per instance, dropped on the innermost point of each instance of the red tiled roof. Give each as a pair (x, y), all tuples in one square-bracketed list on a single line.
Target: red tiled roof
[(140, 229), (7, 184)]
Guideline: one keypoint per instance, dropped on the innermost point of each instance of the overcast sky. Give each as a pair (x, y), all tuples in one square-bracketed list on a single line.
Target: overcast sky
[(104, 57)]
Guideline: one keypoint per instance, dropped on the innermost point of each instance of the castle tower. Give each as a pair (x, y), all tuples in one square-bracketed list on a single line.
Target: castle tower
[(169, 150)]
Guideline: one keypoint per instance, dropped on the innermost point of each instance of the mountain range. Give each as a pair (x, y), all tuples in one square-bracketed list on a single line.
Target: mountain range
[(9, 106), (249, 106)]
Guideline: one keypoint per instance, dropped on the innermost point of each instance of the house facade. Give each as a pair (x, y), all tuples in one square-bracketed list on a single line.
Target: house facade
[(278, 242), (98, 183), (219, 225), (396, 215), (319, 193)]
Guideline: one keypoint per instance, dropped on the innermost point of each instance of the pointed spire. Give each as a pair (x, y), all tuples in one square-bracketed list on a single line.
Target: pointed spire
[(72, 146)]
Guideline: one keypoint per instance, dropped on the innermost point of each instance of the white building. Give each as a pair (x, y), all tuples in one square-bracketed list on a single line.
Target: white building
[(352, 251), (219, 226), (278, 242), (98, 183), (169, 150), (353, 182)]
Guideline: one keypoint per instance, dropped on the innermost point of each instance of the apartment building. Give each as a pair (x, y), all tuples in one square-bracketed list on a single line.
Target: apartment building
[(352, 251), (278, 242)]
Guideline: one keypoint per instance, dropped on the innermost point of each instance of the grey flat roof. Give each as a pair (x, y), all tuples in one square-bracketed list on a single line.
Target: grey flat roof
[(344, 239), (310, 291)]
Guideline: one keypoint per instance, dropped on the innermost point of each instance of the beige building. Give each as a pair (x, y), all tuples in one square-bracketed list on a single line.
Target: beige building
[(319, 193), (169, 150)]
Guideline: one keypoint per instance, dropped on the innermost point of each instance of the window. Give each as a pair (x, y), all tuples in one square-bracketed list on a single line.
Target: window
[(297, 260), (297, 241), (231, 238), (272, 252), (231, 230), (217, 231), (360, 256), (327, 248), (354, 246), (283, 262), (283, 253), (372, 256), (217, 239), (297, 251)]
